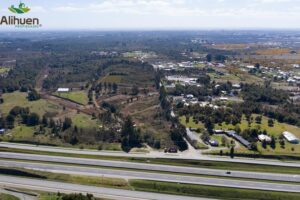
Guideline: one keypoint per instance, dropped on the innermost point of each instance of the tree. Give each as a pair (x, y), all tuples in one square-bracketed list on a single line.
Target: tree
[(135, 90), (282, 143), (33, 95), (224, 141), (273, 143), (129, 136), (67, 123), (209, 125), (258, 119), (264, 144), (115, 87), (232, 152), (74, 140), (208, 57), (221, 152), (257, 65), (45, 120), (33, 119), (270, 123), (177, 136), (51, 123), (10, 120)]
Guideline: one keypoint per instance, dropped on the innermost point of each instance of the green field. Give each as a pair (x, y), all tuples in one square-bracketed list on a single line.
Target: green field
[(111, 79), (77, 96), (20, 99), (85, 121)]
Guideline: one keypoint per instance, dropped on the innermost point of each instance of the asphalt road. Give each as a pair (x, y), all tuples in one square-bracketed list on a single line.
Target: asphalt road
[(148, 155), (51, 186), (152, 167), (153, 176)]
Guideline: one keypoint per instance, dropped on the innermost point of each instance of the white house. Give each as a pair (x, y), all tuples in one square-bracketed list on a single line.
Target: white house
[(264, 138)]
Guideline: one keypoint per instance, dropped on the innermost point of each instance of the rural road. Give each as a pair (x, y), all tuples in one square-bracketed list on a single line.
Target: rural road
[(148, 155), (101, 192), (153, 176), (152, 167)]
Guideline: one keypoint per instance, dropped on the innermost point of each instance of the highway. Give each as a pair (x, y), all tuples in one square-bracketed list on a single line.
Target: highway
[(153, 176), (152, 167), (101, 192), (148, 155)]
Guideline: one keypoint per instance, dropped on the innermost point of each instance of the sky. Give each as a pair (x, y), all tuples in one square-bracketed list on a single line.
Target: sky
[(160, 14)]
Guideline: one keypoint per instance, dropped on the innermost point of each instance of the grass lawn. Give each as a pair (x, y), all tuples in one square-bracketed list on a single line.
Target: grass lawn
[(111, 79), (77, 96), (191, 123), (20, 99), (82, 120)]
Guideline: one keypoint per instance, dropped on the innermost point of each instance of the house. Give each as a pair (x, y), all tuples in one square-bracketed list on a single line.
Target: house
[(219, 131), (290, 137), (236, 86), (264, 138), (63, 90), (189, 96)]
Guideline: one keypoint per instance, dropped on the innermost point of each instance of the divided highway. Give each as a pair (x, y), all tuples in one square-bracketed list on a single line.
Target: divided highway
[(152, 167), (153, 176)]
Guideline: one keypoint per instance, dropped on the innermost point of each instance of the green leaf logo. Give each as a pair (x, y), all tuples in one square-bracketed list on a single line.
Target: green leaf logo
[(20, 10)]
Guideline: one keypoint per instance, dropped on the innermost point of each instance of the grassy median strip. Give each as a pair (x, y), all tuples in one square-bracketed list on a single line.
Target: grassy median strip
[(168, 161), (77, 179), (209, 191)]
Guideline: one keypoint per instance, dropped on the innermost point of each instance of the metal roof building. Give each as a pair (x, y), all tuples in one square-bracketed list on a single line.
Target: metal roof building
[(290, 137)]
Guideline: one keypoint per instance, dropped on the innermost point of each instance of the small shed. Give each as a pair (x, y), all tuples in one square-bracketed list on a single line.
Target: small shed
[(61, 90)]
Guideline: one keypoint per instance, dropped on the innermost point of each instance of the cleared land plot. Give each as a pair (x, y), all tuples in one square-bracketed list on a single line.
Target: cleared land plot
[(85, 121), (77, 96), (111, 79), (276, 131), (274, 51), (20, 99)]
